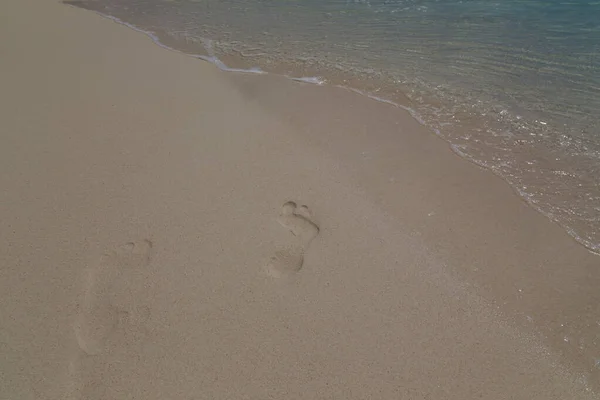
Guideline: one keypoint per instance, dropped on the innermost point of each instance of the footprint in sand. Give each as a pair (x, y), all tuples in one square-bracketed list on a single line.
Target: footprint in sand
[(100, 310), (298, 221)]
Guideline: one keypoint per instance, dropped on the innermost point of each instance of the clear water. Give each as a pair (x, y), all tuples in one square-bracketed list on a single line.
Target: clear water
[(513, 85)]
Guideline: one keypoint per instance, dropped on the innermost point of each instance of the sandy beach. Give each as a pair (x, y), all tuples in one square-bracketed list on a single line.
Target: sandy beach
[(172, 231)]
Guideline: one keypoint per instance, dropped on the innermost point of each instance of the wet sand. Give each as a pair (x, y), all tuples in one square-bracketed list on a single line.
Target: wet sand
[(169, 230)]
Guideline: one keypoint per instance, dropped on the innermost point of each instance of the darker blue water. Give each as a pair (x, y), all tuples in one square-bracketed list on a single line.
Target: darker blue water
[(512, 85)]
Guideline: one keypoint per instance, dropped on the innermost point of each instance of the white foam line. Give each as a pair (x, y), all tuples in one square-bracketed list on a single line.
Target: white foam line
[(314, 80), (212, 59), (151, 35), (221, 65)]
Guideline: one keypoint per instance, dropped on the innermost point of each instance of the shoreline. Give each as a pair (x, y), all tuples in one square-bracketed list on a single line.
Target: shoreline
[(427, 275), (395, 98)]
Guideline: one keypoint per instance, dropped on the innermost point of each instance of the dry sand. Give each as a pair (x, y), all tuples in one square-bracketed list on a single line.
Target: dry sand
[(149, 249)]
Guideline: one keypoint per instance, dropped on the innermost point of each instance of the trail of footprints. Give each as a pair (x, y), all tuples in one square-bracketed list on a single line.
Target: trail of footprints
[(105, 305), (101, 311)]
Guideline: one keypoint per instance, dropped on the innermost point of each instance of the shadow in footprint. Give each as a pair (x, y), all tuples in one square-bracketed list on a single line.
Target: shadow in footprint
[(98, 314), (298, 221)]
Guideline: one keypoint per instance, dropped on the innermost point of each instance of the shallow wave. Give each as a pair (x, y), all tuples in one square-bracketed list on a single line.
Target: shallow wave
[(511, 86)]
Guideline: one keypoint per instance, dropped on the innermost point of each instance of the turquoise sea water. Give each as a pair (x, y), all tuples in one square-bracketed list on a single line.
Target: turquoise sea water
[(512, 85)]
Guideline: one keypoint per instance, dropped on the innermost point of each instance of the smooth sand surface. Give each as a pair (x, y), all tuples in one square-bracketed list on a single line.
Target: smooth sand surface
[(170, 231)]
